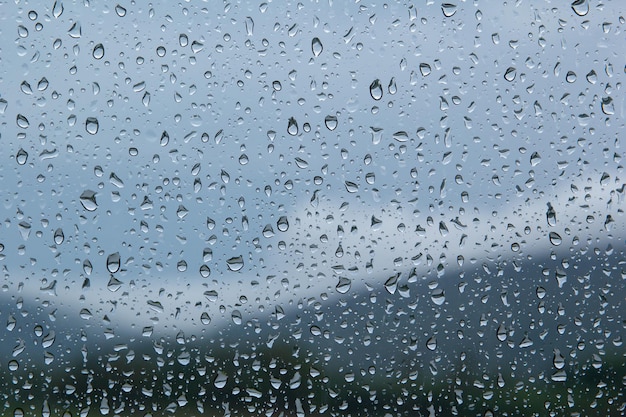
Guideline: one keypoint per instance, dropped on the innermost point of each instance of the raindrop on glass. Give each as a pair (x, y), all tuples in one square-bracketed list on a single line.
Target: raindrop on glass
[(331, 122), (316, 47), (98, 51), (91, 125), (88, 200), (376, 90), (113, 262), (235, 263)]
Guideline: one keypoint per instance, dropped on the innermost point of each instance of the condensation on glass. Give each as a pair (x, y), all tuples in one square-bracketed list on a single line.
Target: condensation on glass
[(312, 208)]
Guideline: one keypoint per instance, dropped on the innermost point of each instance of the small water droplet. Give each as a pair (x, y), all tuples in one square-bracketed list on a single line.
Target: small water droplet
[(113, 262), (92, 125), (316, 46), (98, 51), (235, 263), (331, 122), (88, 200), (580, 7), (292, 127), (376, 90)]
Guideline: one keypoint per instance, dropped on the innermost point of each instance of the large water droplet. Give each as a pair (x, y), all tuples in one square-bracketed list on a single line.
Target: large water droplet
[(448, 9), (22, 121), (220, 380), (551, 215), (91, 125), (121, 11), (438, 296), (249, 26), (235, 263), (501, 333), (351, 187), (331, 122), (401, 136), (607, 106), (205, 318), (98, 51), (425, 69), (343, 286), (555, 238), (88, 200), (431, 343), (292, 127), (59, 237), (75, 31), (376, 90), (282, 224), (113, 262), (580, 7), (316, 46), (21, 157), (510, 74), (57, 9), (391, 285)]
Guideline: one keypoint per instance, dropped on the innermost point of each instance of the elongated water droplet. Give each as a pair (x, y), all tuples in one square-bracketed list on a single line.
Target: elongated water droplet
[(88, 200), (249, 26), (431, 343), (292, 127), (59, 237), (92, 125), (316, 46), (98, 51), (558, 360), (282, 224), (391, 285), (75, 31), (113, 262), (501, 333), (22, 121), (401, 136), (235, 263), (376, 90), (551, 215), (57, 9)]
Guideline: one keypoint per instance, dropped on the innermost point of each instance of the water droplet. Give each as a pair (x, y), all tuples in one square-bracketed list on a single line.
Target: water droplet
[(331, 122), (21, 157), (91, 125), (183, 40), (501, 333), (220, 380), (401, 136), (59, 237), (22, 121), (558, 360), (510, 74), (555, 238), (551, 215), (249, 26), (235, 263), (392, 86), (57, 9), (535, 159), (26, 88), (526, 342), (88, 200), (448, 9), (98, 51), (391, 285), (13, 365), (75, 31), (580, 7), (121, 11), (113, 262), (431, 343), (292, 127), (376, 90), (570, 77), (607, 106), (316, 46), (114, 284), (205, 318), (236, 317), (438, 296), (425, 69), (343, 286), (351, 187), (283, 224)]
